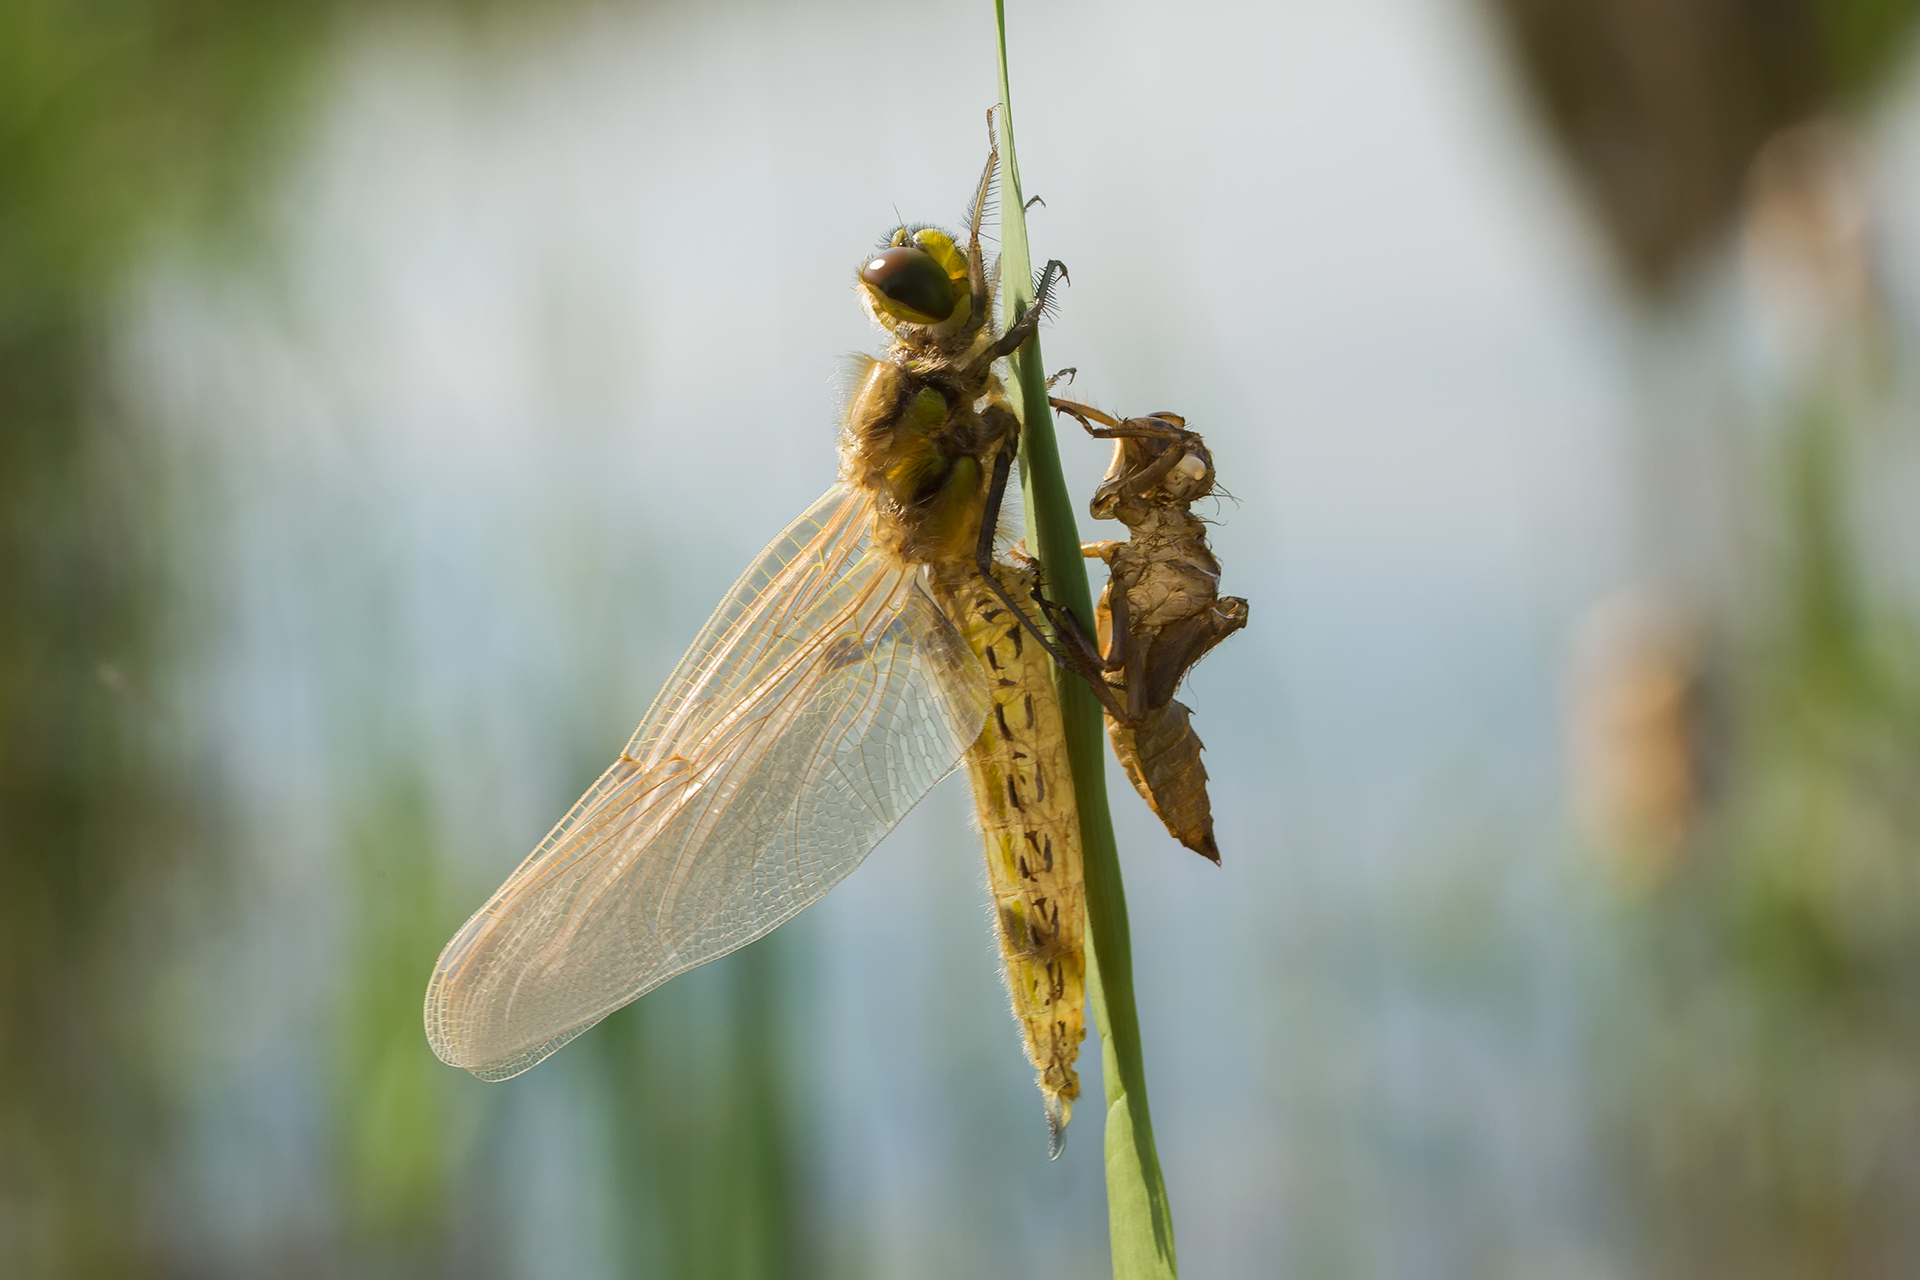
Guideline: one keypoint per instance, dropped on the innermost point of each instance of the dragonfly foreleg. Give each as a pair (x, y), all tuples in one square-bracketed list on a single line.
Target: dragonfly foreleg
[(1023, 328), (1154, 426)]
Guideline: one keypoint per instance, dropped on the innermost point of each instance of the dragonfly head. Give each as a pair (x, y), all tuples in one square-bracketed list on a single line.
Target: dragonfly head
[(917, 277)]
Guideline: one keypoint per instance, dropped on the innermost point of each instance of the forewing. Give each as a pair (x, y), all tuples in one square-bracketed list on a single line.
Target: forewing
[(826, 695)]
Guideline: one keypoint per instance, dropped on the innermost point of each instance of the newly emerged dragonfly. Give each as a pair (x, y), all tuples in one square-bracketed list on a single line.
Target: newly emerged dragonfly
[(873, 647)]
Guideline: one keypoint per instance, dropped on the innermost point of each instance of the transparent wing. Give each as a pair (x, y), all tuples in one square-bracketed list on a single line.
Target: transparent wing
[(825, 696)]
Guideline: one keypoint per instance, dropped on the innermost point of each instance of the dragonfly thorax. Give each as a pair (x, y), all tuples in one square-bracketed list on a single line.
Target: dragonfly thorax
[(922, 444)]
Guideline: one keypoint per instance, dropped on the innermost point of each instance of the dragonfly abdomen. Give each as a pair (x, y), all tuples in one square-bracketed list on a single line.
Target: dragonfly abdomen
[(1023, 796)]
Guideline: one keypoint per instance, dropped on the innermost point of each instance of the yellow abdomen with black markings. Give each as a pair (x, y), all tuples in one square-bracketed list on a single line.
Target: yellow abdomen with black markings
[(1023, 797)]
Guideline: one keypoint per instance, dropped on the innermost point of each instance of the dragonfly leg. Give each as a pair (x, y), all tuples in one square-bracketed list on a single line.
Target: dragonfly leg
[(983, 549), (1120, 617), (1080, 656), (1023, 328), (1155, 426), (1154, 472), (976, 262), (1170, 427), (1134, 660), (1115, 604), (1084, 657)]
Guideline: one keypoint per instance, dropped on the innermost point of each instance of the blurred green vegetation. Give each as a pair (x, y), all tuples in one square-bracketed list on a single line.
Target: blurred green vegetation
[(698, 1086), (116, 121), (394, 1115), (1760, 1071), (1770, 1121), (125, 126)]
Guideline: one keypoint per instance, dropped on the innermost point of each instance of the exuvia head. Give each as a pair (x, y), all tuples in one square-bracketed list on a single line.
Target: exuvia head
[(918, 277), (1160, 472)]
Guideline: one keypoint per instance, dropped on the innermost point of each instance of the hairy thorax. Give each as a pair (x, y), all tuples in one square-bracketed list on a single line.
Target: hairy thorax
[(921, 430)]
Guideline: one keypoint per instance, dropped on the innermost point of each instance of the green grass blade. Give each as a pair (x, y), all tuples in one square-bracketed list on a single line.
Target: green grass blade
[(1139, 1220)]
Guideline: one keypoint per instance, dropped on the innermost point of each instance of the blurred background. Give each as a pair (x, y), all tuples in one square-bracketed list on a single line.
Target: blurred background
[(387, 392)]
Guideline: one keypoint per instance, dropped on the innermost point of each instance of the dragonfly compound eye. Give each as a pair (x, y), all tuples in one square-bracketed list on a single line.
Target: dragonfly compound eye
[(918, 287)]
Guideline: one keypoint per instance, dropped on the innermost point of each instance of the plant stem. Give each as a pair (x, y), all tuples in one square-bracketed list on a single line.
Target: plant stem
[(1139, 1220)]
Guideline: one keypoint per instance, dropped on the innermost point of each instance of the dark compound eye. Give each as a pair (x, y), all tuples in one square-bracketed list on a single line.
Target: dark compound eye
[(911, 278)]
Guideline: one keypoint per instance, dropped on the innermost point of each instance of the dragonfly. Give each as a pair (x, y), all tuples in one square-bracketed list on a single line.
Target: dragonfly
[(877, 644)]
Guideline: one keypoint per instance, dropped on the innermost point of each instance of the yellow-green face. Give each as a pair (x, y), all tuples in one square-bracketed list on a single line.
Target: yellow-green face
[(919, 278)]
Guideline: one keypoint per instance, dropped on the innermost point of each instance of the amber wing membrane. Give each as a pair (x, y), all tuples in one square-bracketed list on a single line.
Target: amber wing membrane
[(825, 696)]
